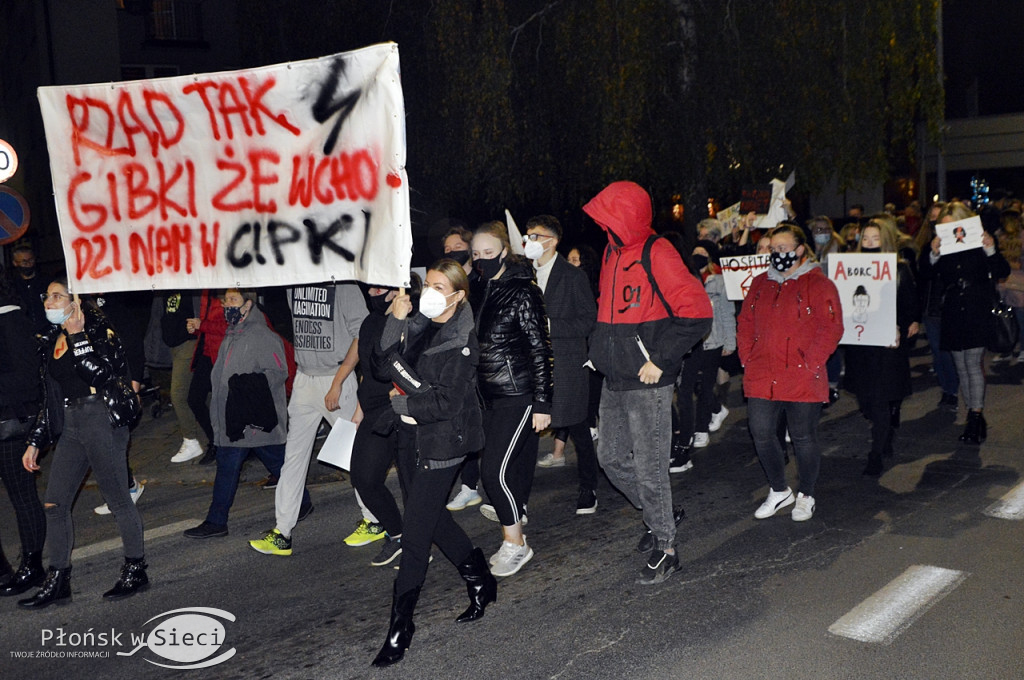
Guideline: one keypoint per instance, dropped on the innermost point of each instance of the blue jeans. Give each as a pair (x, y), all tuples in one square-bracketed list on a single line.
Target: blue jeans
[(634, 446), (942, 361), (229, 468), (802, 419)]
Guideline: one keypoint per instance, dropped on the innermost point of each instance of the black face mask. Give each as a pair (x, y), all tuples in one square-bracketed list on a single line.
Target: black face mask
[(783, 261), (460, 256), (870, 250), (699, 261), (379, 303), (26, 272), (487, 269)]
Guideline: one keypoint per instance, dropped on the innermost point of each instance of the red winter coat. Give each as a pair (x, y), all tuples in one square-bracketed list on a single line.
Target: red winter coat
[(628, 307), (786, 332)]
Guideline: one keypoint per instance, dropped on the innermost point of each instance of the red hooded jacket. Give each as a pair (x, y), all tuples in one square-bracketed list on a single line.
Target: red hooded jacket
[(628, 308), (786, 332)]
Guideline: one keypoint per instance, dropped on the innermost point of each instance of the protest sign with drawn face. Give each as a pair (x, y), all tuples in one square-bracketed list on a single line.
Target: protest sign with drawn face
[(955, 237)]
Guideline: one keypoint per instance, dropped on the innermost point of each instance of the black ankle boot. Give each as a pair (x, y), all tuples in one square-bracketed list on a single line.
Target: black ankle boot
[(480, 584), (971, 431), (133, 579), (400, 629), (56, 589), (982, 428), (30, 574)]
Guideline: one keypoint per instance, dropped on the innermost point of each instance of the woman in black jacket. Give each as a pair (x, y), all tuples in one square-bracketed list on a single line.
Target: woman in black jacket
[(432, 360), (19, 403), (968, 280), (88, 403), (516, 385), (880, 376)]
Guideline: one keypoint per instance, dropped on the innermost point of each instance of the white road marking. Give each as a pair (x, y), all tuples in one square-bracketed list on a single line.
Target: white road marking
[(1010, 506), (115, 543), (891, 610)]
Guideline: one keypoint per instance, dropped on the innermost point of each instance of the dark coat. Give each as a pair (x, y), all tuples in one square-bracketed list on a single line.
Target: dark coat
[(443, 395), (515, 350), (100, 362), (968, 282), (19, 370), (882, 373), (572, 311)]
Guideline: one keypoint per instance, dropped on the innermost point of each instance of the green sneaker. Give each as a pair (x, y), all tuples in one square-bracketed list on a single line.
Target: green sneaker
[(274, 543), (365, 533)]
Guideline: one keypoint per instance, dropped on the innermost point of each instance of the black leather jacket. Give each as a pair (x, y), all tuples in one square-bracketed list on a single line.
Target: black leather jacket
[(515, 350), (100, 362)]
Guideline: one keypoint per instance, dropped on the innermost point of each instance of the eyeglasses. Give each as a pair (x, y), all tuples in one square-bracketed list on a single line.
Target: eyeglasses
[(535, 237), (53, 296)]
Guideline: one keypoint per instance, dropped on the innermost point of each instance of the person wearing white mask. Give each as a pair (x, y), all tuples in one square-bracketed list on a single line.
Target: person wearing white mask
[(87, 405), (515, 383), (571, 315), (431, 358)]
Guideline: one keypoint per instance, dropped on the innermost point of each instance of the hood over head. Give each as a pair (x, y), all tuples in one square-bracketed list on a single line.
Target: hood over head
[(623, 209)]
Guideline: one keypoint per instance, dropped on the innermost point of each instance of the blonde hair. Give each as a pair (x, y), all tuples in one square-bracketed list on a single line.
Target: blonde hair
[(455, 274)]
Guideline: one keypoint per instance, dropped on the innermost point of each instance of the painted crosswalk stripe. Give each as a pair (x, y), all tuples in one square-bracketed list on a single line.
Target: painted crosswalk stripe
[(891, 610), (1010, 506), (148, 535)]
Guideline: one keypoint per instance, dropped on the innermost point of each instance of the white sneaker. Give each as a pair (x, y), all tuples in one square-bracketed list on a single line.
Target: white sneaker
[(717, 419), (549, 461), (594, 433), (190, 449), (700, 440), (776, 501), (488, 511), (465, 498), (804, 509), (135, 491), (510, 558)]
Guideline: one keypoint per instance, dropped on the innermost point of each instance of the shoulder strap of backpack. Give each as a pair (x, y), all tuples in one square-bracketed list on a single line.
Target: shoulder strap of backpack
[(645, 262)]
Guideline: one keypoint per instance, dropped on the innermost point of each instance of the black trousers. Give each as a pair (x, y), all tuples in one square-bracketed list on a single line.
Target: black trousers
[(199, 392), (586, 454), (509, 458), (21, 489), (879, 413), (426, 520), (372, 457)]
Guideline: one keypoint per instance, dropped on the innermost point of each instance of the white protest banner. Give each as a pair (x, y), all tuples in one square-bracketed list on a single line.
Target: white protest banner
[(739, 272), (280, 175), (955, 237), (729, 217), (776, 210), (867, 291)]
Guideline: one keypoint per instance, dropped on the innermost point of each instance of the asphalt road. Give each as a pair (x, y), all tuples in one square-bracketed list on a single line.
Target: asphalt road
[(755, 599)]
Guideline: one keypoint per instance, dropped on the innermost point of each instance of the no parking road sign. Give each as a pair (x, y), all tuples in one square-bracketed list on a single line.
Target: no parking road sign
[(14, 215)]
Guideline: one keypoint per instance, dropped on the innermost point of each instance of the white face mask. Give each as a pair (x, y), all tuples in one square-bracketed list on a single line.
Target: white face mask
[(58, 316), (433, 303), (534, 250)]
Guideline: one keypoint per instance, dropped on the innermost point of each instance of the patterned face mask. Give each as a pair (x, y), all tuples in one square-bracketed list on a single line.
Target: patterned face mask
[(783, 261)]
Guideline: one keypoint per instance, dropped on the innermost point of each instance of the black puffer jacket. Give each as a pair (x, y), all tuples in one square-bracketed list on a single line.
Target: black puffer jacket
[(515, 350), (100, 362)]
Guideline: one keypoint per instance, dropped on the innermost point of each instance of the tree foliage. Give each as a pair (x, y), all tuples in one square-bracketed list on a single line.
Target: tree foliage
[(537, 104)]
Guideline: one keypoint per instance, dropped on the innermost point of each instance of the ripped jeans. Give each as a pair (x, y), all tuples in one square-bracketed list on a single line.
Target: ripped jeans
[(87, 441)]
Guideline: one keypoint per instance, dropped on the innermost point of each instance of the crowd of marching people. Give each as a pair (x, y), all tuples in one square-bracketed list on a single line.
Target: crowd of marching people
[(628, 354)]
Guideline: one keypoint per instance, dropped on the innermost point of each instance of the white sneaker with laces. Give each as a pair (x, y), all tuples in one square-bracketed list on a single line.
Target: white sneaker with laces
[(549, 461), (510, 558), (717, 419), (776, 501), (804, 508), (465, 498), (135, 491), (190, 449), (700, 440)]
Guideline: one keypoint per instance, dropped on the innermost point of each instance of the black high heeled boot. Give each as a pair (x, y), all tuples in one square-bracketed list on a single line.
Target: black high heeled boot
[(133, 579), (480, 584), (400, 629), (971, 430), (30, 574), (56, 589)]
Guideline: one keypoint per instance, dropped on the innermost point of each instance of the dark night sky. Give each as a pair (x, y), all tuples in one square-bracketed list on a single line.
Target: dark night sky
[(984, 44)]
